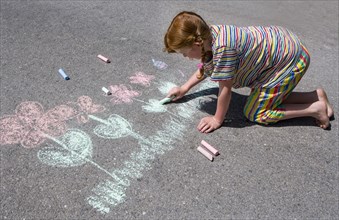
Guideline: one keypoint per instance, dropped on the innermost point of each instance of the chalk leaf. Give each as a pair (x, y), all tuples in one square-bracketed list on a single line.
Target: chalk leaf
[(114, 127), (71, 149)]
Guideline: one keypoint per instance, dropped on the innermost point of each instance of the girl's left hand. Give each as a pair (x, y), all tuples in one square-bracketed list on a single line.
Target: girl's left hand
[(208, 124)]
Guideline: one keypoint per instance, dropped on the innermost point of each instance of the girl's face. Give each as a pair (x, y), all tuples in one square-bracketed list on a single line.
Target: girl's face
[(193, 52)]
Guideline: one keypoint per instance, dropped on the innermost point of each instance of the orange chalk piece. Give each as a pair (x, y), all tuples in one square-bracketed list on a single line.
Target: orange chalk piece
[(210, 148), (101, 57), (205, 153)]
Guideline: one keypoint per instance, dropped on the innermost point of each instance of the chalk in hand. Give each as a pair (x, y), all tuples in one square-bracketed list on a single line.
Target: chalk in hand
[(165, 100), (63, 74), (106, 91), (210, 148), (101, 57), (205, 153)]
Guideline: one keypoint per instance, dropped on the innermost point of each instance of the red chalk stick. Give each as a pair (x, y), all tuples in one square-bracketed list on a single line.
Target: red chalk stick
[(210, 148), (101, 57), (205, 153)]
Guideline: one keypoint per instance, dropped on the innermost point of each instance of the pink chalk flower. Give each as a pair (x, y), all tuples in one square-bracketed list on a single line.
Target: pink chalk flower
[(141, 78), (85, 107), (30, 124), (122, 94)]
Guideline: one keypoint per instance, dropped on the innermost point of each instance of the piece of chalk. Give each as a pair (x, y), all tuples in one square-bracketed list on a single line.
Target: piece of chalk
[(165, 100), (63, 74), (106, 91), (210, 148), (101, 57), (205, 153)]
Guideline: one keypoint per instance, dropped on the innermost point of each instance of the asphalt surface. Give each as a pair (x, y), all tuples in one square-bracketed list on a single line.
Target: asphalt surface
[(153, 170)]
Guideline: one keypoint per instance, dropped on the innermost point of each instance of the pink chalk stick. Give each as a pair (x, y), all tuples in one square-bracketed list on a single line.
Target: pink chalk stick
[(210, 148), (205, 153), (104, 58)]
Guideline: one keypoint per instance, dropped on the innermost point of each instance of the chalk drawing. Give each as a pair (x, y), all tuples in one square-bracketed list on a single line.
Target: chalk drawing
[(154, 106), (30, 120), (185, 111), (29, 112), (182, 73), (31, 126), (62, 113), (12, 130), (74, 149), (110, 193), (114, 127), (159, 64), (31, 123), (122, 94), (86, 106), (164, 87), (141, 78), (71, 150)]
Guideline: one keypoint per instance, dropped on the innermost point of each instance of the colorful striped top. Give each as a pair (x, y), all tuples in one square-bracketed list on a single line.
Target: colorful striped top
[(252, 56)]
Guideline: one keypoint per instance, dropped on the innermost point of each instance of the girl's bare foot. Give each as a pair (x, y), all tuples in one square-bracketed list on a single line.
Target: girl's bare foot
[(323, 97), (320, 114)]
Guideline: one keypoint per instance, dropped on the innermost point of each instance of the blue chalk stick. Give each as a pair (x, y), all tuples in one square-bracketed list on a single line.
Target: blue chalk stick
[(63, 74)]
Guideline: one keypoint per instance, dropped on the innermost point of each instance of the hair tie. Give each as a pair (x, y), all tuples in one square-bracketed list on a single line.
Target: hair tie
[(200, 66)]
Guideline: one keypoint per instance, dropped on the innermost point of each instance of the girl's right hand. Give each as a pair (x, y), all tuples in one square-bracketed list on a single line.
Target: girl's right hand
[(178, 92)]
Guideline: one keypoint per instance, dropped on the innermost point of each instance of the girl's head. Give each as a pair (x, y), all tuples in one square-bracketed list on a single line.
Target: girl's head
[(186, 35)]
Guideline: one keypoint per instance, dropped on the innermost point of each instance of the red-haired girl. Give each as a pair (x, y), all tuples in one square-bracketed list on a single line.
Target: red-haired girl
[(269, 60)]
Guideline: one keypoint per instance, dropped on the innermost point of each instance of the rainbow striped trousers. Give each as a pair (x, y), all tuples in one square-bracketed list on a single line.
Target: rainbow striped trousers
[(264, 105)]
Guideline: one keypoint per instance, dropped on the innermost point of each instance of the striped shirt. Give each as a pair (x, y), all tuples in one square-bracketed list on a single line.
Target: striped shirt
[(252, 56)]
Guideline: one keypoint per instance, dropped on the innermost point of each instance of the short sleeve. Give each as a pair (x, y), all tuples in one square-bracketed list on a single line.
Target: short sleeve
[(225, 62)]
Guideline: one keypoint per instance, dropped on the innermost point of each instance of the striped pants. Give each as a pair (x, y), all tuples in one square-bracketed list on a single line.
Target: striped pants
[(264, 105)]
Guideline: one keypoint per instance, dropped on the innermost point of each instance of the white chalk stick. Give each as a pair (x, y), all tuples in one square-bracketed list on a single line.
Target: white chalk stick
[(106, 91), (165, 100), (210, 148), (205, 153), (104, 58)]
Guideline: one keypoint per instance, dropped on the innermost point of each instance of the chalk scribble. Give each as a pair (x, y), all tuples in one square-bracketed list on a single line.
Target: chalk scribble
[(159, 64)]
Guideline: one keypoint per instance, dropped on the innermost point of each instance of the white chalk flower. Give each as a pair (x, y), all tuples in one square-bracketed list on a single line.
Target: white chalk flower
[(154, 105)]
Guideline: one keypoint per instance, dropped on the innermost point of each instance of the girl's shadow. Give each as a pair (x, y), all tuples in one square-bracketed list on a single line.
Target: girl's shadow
[(235, 116)]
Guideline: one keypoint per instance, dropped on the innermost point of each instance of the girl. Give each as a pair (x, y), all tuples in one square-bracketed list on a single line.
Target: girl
[(269, 60)]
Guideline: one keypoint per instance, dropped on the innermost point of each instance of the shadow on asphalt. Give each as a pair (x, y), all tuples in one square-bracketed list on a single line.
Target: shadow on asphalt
[(235, 117)]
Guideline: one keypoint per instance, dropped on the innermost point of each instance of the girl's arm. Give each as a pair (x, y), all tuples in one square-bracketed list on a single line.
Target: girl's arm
[(179, 92), (209, 123)]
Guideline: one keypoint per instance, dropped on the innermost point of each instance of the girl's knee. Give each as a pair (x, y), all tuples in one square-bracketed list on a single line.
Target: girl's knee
[(261, 118), (257, 120)]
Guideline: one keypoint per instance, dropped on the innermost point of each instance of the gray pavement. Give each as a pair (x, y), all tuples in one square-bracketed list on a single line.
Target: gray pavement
[(70, 152)]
